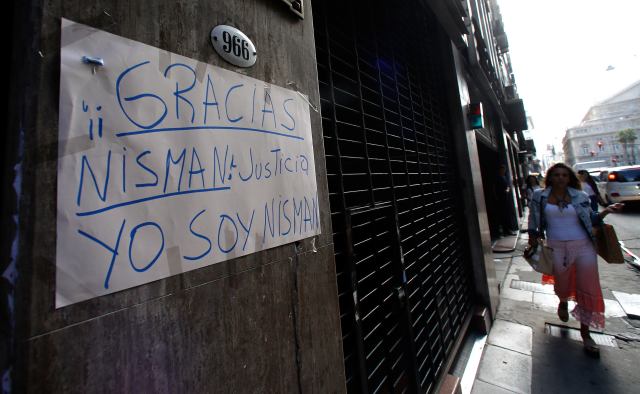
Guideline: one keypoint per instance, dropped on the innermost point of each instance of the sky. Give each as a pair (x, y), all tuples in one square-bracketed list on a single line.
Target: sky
[(560, 51)]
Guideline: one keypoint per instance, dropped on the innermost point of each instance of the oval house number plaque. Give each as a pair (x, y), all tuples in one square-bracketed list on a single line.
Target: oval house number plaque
[(233, 45)]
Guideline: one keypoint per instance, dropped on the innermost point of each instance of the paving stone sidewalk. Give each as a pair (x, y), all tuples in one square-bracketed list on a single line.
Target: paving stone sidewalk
[(529, 350)]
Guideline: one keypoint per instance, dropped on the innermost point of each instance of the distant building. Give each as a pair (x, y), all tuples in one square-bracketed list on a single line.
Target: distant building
[(596, 138), (550, 157)]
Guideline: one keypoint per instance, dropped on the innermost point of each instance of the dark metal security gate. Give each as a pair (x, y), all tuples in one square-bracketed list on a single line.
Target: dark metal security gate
[(401, 262)]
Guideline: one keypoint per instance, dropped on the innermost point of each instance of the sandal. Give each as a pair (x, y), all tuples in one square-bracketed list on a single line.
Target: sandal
[(563, 311), (590, 347)]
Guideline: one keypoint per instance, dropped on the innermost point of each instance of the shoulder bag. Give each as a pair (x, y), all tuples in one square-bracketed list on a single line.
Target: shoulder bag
[(607, 244), (540, 256)]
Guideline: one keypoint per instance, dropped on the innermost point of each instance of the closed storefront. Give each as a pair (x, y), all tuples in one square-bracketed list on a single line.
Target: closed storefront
[(403, 270)]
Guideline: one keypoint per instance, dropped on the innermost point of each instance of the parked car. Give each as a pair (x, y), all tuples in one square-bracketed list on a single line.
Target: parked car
[(623, 184)]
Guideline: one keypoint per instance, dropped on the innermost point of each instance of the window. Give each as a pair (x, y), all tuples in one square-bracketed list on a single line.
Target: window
[(585, 149), (630, 175)]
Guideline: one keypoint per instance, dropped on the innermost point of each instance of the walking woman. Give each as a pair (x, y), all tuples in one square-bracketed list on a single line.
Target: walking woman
[(589, 186), (562, 213)]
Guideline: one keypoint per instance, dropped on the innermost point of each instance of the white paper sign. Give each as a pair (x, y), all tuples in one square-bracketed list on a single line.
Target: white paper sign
[(167, 164)]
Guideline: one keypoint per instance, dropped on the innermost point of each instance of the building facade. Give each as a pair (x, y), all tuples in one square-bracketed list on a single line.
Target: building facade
[(501, 141), (379, 301), (596, 140)]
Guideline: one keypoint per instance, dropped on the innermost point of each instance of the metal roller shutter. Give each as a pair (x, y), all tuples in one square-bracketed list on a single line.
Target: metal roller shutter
[(402, 271)]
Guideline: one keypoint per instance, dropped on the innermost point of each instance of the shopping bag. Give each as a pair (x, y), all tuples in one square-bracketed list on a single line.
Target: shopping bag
[(540, 257), (607, 244)]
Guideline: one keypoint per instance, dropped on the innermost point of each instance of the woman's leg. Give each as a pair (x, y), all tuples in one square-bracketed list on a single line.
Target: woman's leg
[(564, 277), (584, 331), (563, 310), (589, 308), (589, 344)]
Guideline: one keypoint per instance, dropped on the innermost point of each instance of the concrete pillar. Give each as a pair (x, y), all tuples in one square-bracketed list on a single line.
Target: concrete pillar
[(266, 321)]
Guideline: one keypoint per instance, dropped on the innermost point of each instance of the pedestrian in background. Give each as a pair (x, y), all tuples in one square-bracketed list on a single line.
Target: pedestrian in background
[(531, 185), (562, 213), (589, 186)]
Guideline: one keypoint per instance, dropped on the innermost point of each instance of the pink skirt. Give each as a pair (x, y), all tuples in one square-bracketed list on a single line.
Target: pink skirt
[(575, 277)]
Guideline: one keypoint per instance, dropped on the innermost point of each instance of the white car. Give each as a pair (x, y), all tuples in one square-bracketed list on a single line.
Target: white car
[(623, 184)]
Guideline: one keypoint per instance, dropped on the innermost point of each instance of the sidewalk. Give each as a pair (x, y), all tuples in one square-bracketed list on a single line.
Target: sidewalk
[(530, 350)]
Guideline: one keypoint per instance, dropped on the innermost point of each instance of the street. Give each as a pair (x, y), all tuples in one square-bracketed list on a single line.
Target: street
[(627, 224), (623, 278)]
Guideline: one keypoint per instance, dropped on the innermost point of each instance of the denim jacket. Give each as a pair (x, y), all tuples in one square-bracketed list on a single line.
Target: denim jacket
[(579, 200)]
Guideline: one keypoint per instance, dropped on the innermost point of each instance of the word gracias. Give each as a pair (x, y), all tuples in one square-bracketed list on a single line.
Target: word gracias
[(280, 116)]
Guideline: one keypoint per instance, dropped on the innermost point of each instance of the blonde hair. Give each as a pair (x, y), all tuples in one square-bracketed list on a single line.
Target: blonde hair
[(574, 182)]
